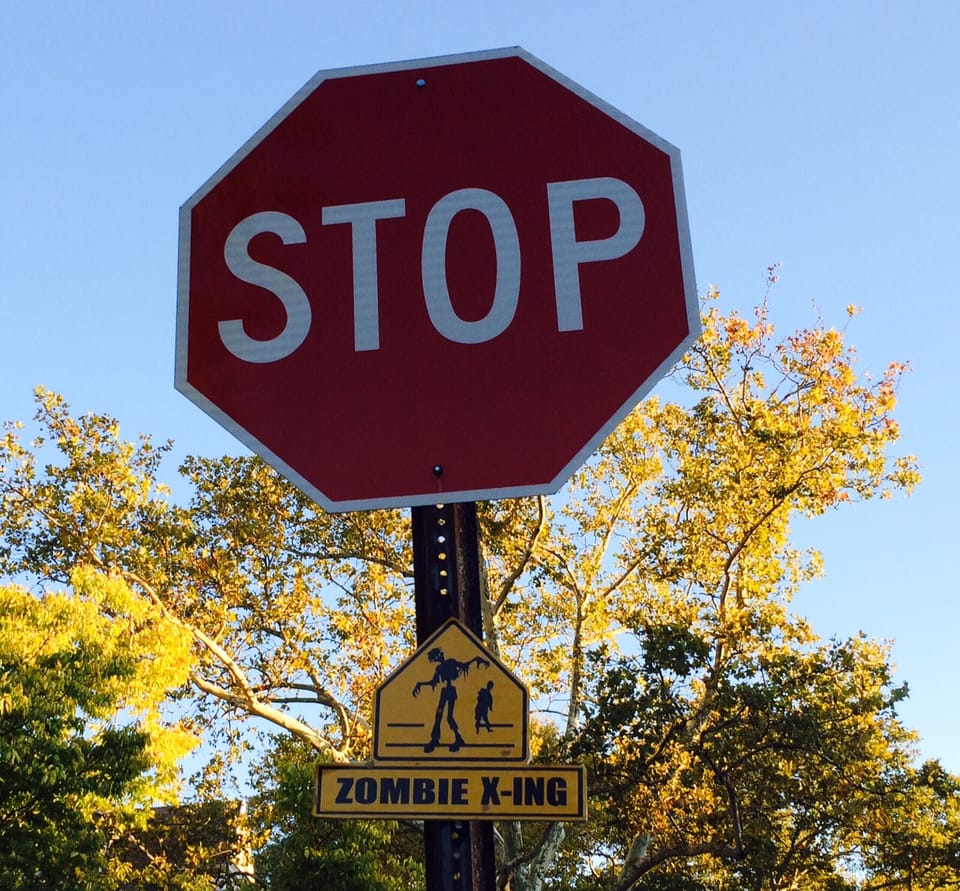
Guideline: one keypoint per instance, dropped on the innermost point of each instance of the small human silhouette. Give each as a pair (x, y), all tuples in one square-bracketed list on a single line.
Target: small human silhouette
[(484, 706), (447, 672)]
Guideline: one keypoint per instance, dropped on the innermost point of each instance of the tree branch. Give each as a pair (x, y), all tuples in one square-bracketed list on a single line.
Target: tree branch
[(525, 558), (632, 872)]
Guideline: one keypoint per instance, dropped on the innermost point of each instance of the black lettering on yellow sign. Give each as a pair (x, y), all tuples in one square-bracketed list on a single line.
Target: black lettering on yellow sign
[(520, 793), (532, 791), (401, 790)]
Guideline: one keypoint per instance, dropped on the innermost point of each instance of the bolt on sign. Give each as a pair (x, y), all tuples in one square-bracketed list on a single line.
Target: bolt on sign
[(451, 741), (366, 284)]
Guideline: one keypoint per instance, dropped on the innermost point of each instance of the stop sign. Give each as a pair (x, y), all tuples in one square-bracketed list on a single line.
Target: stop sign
[(436, 280)]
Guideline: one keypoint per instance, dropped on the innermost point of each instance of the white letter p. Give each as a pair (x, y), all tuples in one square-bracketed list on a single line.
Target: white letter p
[(568, 253)]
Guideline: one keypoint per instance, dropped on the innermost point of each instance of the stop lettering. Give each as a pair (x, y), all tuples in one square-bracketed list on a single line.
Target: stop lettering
[(567, 253)]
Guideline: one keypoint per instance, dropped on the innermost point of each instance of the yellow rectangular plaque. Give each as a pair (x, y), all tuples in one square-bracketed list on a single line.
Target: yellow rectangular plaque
[(490, 792)]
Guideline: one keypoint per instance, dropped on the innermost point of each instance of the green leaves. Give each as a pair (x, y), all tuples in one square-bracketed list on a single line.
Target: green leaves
[(82, 740), (298, 851)]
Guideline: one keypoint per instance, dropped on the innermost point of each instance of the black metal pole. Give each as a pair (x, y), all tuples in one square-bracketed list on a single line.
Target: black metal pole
[(459, 855)]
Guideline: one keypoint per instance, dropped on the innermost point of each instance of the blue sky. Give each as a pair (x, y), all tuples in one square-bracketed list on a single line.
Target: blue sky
[(824, 136)]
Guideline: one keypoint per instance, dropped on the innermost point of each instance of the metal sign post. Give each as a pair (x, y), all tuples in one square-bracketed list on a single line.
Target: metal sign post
[(459, 855)]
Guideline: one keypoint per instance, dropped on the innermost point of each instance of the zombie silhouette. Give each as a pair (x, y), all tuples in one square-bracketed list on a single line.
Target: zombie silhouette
[(483, 708), (447, 673)]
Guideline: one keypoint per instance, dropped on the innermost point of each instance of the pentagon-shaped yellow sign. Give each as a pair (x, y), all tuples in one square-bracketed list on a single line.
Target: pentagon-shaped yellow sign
[(451, 701)]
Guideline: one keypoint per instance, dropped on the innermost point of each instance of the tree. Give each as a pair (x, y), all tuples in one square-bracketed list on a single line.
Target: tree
[(679, 528), (914, 841), (671, 546), (83, 745), (198, 845), (770, 763), (300, 853)]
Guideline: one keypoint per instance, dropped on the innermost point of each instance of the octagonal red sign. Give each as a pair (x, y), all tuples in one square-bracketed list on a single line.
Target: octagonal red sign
[(436, 280)]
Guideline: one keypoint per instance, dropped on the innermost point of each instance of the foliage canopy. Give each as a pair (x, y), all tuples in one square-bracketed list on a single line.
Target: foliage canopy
[(83, 743), (646, 608)]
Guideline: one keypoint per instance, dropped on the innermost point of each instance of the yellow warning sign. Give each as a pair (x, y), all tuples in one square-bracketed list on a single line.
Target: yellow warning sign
[(451, 701)]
